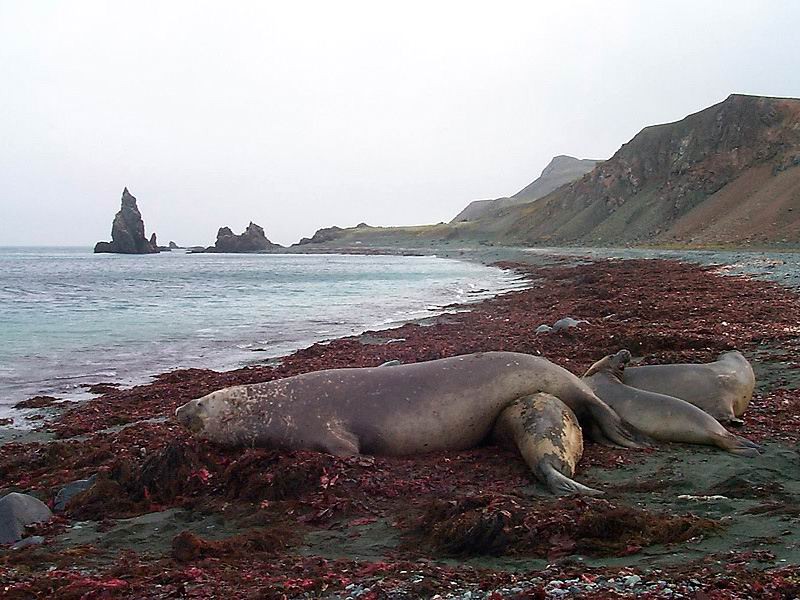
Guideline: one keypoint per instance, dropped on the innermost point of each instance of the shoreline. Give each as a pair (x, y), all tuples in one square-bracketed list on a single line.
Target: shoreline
[(130, 353), (676, 312)]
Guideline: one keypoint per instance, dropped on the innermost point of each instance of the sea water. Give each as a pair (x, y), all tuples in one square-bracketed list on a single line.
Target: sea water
[(69, 317)]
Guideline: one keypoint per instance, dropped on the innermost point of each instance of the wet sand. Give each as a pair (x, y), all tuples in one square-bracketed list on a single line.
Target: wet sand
[(174, 517)]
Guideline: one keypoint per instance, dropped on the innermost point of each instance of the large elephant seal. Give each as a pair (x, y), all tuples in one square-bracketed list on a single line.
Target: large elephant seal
[(662, 417), (446, 404), (547, 434), (722, 388)]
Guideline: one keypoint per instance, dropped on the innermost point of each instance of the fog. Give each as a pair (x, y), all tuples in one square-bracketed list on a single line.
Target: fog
[(300, 115)]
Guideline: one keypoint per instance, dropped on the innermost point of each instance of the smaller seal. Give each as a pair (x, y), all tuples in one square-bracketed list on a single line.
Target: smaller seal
[(722, 388), (547, 434), (662, 417)]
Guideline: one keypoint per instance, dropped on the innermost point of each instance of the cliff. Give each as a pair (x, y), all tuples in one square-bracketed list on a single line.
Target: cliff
[(252, 239), (561, 170), (127, 231), (725, 175)]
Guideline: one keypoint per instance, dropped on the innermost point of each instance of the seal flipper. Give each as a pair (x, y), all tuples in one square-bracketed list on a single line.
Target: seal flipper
[(340, 443), (736, 444), (607, 426), (561, 485), (547, 434)]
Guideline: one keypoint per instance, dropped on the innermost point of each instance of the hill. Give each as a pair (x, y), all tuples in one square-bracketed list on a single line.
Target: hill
[(725, 175), (562, 169)]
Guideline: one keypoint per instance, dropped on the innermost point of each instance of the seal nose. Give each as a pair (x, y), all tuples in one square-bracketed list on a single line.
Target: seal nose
[(190, 415)]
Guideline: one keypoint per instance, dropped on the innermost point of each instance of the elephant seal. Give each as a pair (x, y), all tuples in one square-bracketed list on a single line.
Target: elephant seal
[(662, 417), (722, 388), (445, 404), (547, 434)]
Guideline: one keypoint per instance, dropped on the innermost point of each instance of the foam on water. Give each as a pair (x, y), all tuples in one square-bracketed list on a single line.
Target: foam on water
[(69, 317)]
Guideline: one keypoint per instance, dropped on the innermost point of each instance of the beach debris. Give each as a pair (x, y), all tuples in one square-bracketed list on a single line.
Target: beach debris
[(33, 540), (567, 323), (715, 498), (560, 325), (391, 363), (36, 402), (71, 490), (17, 511)]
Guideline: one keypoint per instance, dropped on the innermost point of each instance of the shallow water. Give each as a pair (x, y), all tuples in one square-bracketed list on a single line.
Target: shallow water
[(70, 317), (783, 267)]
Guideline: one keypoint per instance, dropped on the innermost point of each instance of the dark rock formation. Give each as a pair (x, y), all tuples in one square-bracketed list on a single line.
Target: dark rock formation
[(127, 231), (173, 246), (326, 234), (252, 240), (560, 171)]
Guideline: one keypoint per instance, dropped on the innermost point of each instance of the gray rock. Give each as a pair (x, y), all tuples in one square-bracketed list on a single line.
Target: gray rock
[(543, 329), (567, 323), (69, 491), (252, 240), (34, 540), (632, 580), (16, 512), (127, 231)]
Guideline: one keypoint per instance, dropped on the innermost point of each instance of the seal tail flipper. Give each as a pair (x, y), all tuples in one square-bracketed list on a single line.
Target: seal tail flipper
[(341, 443), (561, 485), (608, 427), (736, 444)]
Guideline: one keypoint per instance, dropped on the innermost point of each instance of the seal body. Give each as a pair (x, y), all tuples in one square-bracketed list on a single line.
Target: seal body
[(547, 434), (722, 388), (662, 417), (446, 404)]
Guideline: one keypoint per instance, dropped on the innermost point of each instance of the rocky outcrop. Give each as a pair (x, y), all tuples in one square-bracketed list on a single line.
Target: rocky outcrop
[(561, 170), (252, 240), (173, 246), (326, 234), (127, 231)]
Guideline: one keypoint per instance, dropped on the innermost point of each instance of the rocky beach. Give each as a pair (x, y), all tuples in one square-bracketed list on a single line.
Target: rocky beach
[(168, 516)]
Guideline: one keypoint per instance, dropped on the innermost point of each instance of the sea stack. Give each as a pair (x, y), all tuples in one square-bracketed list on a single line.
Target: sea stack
[(127, 231), (252, 240)]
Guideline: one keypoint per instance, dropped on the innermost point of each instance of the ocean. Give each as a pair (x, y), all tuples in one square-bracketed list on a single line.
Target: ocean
[(69, 318)]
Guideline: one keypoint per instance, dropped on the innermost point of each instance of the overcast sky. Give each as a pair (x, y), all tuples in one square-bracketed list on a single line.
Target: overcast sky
[(300, 115)]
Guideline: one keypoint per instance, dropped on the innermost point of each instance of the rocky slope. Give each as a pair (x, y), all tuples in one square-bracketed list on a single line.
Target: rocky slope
[(127, 231), (725, 175), (252, 239), (561, 170)]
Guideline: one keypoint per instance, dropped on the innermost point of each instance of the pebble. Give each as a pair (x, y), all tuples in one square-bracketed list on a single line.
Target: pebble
[(632, 580)]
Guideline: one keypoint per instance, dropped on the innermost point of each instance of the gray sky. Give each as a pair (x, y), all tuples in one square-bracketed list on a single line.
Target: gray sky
[(300, 115)]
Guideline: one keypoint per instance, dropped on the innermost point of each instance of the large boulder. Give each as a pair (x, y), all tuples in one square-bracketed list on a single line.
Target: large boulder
[(252, 240), (127, 231), (17, 511)]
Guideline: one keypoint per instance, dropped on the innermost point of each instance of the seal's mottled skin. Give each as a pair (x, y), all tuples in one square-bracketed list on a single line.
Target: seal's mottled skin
[(662, 417), (446, 404), (722, 388), (549, 438)]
